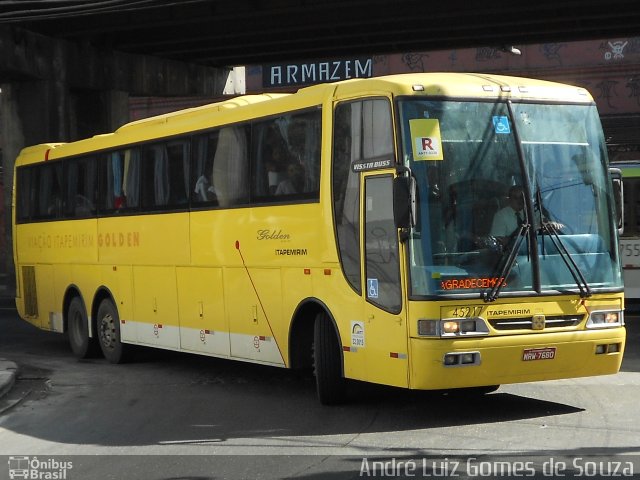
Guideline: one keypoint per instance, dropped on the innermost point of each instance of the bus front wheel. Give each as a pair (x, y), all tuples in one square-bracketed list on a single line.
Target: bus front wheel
[(108, 328), (81, 344), (327, 353)]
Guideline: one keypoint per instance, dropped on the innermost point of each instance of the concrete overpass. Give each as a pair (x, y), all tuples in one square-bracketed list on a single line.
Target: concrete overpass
[(217, 33)]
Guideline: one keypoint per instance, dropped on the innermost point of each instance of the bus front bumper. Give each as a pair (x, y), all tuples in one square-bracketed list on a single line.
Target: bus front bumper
[(458, 363)]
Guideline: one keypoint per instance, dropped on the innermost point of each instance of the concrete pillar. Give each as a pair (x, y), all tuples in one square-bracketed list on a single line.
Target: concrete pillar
[(94, 112), (12, 142), (117, 109)]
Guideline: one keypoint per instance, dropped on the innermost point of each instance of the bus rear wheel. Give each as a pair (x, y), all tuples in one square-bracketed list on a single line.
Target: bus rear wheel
[(81, 344), (330, 383), (108, 328)]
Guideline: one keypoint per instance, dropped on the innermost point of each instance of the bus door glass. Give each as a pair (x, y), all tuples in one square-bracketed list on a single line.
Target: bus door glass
[(385, 326)]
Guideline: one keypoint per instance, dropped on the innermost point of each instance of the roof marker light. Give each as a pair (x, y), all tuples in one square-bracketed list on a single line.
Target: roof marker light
[(418, 88), (487, 88)]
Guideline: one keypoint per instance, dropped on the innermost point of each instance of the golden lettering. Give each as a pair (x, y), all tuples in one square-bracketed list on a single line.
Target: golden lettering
[(119, 239)]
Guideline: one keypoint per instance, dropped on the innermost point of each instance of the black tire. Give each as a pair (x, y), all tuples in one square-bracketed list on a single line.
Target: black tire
[(327, 354), (81, 344), (108, 332)]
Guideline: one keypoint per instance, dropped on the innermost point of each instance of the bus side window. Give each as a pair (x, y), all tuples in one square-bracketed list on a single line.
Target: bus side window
[(80, 195), (23, 186), (231, 166), (48, 193), (154, 177), (269, 160), (178, 153), (346, 192), (202, 190), (119, 178), (285, 162), (165, 174), (303, 140)]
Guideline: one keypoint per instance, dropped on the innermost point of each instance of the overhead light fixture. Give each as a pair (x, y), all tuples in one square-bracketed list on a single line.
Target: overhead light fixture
[(512, 50)]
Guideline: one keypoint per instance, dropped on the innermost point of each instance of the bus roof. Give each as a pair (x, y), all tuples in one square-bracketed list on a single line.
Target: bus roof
[(470, 85), (242, 108)]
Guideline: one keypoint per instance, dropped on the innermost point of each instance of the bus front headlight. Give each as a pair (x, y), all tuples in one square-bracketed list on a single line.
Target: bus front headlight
[(605, 319), (453, 327)]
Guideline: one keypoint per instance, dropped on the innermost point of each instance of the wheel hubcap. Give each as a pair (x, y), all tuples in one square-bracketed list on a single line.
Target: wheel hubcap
[(108, 331)]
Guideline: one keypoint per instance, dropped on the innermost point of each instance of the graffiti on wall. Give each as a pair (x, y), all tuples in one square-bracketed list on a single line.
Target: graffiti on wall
[(608, 68)]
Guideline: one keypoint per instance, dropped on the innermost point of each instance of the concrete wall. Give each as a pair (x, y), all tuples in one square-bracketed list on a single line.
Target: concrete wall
[(56, 91)]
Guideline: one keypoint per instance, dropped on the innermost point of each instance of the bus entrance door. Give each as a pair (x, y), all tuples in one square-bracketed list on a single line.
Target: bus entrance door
[(384, 329)]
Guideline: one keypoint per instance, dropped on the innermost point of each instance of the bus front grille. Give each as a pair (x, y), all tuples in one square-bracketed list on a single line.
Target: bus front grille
[(526, 323)]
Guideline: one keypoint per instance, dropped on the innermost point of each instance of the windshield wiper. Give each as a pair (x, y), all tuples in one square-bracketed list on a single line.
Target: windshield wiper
[(508, 262), (576, 273), (550, 228)]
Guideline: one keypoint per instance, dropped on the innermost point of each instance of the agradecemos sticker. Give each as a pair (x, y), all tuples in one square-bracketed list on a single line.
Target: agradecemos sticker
[(426, 139)]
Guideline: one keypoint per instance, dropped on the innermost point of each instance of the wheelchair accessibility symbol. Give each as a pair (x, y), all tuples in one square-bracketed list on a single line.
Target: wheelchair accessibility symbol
[(501, 124), (372, 287)]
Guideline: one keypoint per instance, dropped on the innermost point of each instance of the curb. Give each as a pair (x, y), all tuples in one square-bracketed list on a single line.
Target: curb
[(8, 372)]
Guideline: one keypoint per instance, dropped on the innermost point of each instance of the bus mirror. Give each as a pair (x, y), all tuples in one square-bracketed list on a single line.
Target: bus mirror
[(618, 194), (404, 201)]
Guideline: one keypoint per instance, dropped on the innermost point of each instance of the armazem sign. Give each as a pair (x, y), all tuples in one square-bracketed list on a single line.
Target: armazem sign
[(315, 71)]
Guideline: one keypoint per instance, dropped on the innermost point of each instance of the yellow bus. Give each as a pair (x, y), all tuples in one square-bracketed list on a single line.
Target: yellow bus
[(349, 228)]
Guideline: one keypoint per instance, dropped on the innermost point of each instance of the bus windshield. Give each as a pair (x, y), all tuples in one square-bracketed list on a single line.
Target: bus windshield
[(517, 198)]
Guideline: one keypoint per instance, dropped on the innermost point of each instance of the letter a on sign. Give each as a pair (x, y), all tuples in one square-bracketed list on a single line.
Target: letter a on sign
[(425, 136)]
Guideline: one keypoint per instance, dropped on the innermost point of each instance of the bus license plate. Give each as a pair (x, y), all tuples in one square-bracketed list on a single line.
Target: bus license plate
[(547, 353)]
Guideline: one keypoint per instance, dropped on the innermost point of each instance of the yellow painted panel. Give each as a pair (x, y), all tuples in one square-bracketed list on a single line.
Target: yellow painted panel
[(46, 295), (144, 240), (156, 305), (201, 298), (254, 308), (57, 242), (276, 236)]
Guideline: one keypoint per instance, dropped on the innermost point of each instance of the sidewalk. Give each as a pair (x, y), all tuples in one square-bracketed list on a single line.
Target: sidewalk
[(8, 370)]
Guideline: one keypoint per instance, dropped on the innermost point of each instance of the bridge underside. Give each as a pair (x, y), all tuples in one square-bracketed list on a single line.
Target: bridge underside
[(215, 33)]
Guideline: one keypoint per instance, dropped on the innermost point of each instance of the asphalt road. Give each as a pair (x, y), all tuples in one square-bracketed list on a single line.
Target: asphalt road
[(170, 415)]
